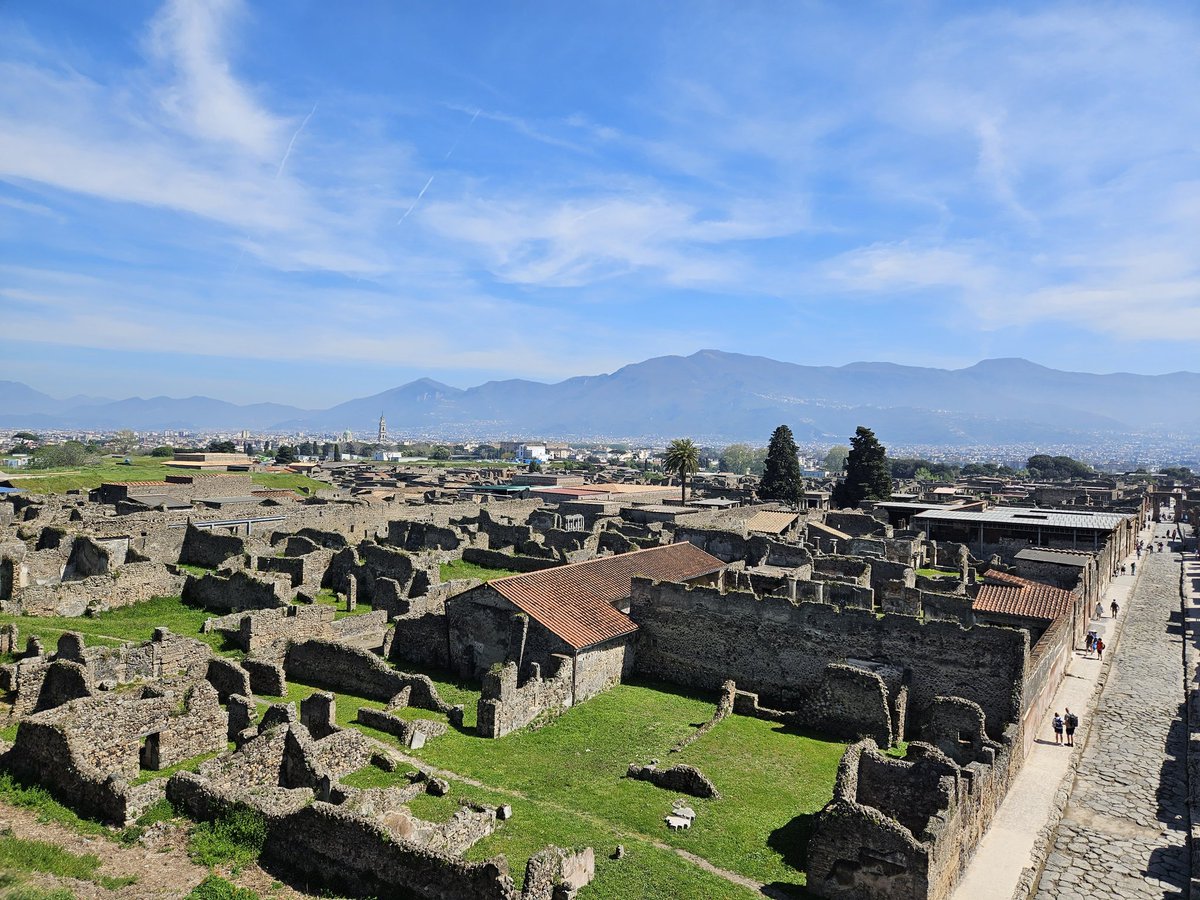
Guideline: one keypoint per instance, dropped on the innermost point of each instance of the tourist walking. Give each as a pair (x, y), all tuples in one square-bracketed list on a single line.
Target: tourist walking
[(1099, 610), (1099, 648), (1070, 723), (1089, 643), (1115, 607), (1057, 722)]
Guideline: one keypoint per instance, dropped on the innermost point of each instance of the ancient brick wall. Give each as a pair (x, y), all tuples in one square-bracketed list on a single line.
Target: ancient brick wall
[(238, 591), (505, 707), (600, 667), (207, 548), (700, 637), (342, 668)]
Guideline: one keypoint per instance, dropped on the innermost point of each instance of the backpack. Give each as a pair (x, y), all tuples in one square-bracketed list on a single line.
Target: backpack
[(1072, 721)]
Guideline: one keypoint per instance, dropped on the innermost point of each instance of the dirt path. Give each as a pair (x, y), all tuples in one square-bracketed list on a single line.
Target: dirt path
[(159, 862)]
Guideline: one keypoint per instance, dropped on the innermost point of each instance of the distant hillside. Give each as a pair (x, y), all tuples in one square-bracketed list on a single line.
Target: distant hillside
[(711, 395)]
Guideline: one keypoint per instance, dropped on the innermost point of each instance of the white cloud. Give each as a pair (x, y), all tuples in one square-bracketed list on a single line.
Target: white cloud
[(205, 98)]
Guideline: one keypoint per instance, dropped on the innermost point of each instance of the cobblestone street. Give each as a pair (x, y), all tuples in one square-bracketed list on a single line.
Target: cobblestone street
[(1124, 833)]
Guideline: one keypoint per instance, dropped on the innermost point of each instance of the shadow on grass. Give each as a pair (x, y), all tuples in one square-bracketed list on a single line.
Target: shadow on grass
[(791, 840)]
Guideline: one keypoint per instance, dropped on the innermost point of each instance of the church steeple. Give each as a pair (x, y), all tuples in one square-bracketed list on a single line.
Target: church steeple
[(382, 429)]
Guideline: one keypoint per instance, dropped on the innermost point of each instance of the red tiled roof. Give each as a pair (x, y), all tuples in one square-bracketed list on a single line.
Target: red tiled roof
[(134, 484), (1015, 596), (576, 601)]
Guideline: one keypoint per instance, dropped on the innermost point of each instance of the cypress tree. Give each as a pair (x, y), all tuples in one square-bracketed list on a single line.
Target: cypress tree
[(781, 478), (868, 476)]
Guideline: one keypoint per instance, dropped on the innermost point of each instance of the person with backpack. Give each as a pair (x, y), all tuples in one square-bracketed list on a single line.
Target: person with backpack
[(1099, 648), (1115, 607), (1070, 723), (1057, 722)]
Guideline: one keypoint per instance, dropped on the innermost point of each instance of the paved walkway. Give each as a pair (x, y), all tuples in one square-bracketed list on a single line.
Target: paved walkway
[(1007, 847), (1124, 833)]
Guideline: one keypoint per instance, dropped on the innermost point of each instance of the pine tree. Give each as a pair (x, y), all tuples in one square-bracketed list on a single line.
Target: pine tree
[(781, 479), (337, 452), (868, 476)]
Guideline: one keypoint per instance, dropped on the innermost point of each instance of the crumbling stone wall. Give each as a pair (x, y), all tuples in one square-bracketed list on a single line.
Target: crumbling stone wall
[(905, 829), (505, 707), (207, 548), (680, 779), (132, 583), (86, 751), (238, 591), (266, 632), (700, 637), (341, 668)]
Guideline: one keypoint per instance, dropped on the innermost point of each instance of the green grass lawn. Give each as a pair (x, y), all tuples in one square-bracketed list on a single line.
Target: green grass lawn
[(129, 623), (939, 573), (327, 597), (19, 854), (142, 468), (459, 568), (565, 783)]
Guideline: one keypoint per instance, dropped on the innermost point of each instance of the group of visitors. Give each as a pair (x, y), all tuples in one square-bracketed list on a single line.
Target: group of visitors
[(1066, 723), (1093, 643)]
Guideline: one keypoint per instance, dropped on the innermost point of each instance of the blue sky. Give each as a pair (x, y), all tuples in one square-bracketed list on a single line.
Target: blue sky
[(311, 201)]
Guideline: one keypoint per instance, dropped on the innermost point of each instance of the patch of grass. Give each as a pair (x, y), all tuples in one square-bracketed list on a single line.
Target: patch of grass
[(24, 855), (216, 888), (289, 481), (458, 568), (198, 571), (564, 781), (9, 732), (328, 597), (129, 623), (12, 888), (939, 573), (37, 798), (143, 468), (235, 838), (187, 765)]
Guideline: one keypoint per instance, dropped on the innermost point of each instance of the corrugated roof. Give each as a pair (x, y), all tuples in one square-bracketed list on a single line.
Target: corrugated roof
[(1019, 515), (576, 601), (1076, 558), (1015, 596), (770, 522)]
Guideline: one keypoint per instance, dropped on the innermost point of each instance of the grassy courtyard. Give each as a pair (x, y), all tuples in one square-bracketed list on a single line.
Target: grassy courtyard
[(459, 568), (141, 468), (565, 783)]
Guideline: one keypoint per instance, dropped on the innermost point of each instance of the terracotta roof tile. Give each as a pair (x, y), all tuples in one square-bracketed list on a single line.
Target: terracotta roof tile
[(575, 602), (1015, 596), (770, 522)]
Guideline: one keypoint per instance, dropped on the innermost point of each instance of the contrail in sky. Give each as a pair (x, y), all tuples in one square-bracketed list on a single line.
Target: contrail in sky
[(458, 140), (418, 200), (292, 142)]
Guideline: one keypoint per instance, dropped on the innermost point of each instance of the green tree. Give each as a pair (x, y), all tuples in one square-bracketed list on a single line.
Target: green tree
[(124, 441), (535, 465), (1043, 466), (285, 454), (867, 474), (163, 452), (53, 456), (743, 459), (337, 452), (683, 459), (781, 478), (27, 436), (439, 452), (835, 459), (222, 447)]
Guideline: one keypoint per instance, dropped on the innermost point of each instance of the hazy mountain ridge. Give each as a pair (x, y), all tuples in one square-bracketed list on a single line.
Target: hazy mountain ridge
[(710, 394)]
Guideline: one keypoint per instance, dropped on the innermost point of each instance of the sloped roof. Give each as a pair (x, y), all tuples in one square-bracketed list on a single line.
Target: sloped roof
[(1015, 596), (575, 602), (770, 522)]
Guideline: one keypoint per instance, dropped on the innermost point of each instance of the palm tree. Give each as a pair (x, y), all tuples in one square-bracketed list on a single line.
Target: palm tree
[(682, 457)]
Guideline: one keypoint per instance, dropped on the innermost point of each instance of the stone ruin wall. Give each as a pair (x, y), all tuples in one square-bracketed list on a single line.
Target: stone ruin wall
[(905, 829), (505, 706), (700, 637)]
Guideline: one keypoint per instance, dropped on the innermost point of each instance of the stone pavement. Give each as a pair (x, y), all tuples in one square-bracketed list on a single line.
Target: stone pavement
[(1124, 832), (1006, 849)]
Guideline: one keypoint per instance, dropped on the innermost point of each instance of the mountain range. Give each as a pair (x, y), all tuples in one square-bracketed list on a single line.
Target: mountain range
[(710, 395)]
